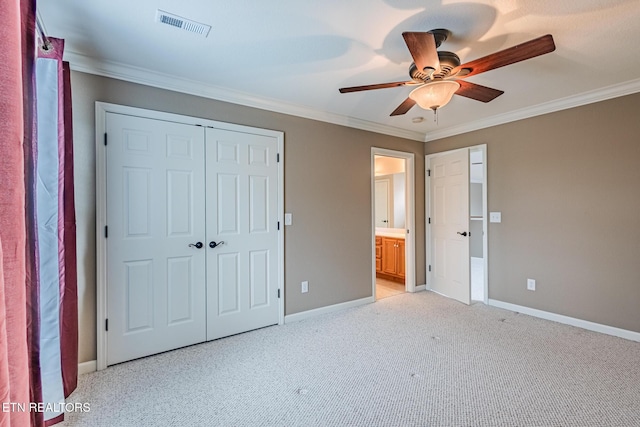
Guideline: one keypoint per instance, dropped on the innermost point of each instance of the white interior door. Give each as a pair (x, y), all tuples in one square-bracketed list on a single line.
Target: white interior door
[(449, 213), (242, 200), (155, 212), (382, 203)]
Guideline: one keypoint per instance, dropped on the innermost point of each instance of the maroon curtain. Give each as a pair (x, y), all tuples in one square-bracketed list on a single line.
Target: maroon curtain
[(58, 347), (20, 379), (68, 263)]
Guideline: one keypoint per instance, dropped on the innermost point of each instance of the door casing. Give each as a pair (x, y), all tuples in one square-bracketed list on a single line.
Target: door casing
[(102, 108)]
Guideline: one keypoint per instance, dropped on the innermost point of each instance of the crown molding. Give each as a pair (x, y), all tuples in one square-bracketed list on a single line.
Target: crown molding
[(86, 64), (613, 91)]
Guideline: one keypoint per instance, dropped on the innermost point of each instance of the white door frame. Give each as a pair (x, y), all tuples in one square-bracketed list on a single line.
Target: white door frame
[(410, 214), (102, 108), (485, 213)]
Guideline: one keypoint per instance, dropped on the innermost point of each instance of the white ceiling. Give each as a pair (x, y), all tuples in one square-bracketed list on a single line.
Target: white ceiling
[(291, 56)]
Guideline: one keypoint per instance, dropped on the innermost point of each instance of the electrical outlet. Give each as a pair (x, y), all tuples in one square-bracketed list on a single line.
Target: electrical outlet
[(304, 287), (495, 217), (531, 284)]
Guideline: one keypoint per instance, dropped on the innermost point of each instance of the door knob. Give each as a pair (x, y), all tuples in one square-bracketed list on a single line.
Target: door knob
[(464, 233), (213, 244), (196, 245)]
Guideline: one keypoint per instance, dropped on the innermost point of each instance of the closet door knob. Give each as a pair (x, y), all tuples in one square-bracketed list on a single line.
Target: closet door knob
[(213, 244), (197, 245), (464, 233)]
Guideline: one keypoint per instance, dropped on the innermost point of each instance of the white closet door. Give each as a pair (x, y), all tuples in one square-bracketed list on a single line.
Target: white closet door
[(155, 212), (449, 214), (242, 272)]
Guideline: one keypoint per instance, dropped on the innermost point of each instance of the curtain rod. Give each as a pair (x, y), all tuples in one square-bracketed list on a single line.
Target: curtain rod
[(46, 43)]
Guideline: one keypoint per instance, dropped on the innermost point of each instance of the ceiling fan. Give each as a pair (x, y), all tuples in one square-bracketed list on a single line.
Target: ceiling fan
[(439, 75)]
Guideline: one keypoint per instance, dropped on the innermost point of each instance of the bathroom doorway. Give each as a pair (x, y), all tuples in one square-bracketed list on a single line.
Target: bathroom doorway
[(393, 220)]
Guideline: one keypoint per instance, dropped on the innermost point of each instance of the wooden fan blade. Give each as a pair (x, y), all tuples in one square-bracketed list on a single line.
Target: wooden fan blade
[(423, 50), (404, 107), (371, 87), (527, 50), (477, 92)]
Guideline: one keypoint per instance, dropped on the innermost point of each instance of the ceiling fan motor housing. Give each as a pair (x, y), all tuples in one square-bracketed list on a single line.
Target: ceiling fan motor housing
[(440, 35), (448, 61)]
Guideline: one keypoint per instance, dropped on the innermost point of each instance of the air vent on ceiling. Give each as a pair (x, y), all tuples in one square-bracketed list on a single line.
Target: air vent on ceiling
[(182, 23)]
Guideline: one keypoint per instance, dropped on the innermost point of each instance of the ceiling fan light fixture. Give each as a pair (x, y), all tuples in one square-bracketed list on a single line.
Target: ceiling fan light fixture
[(434, 95)]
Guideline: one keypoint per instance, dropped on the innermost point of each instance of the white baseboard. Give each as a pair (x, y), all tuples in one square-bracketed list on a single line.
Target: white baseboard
[(584, 324), (87, 367), (296, 317), (421, 288)]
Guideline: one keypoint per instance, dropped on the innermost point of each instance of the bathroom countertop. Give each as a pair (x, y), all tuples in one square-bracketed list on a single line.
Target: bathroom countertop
[(398, 234)]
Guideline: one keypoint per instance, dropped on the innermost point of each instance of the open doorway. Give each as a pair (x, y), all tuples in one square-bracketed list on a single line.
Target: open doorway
[(477, 209), (393, 218)]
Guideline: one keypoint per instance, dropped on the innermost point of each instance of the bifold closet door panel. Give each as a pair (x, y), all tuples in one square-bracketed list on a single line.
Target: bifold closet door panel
[(156, 298), (242, 199)]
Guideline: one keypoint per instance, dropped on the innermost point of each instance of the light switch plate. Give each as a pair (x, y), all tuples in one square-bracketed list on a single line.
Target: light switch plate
[(531, 284), (288, 219), (495, 217)]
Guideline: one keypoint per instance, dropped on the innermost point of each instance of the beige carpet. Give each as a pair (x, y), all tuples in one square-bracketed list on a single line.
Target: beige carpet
[(411, 360)]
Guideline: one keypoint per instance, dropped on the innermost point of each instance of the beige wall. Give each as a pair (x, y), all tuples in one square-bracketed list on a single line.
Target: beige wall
[(327, 188), (568, 187)]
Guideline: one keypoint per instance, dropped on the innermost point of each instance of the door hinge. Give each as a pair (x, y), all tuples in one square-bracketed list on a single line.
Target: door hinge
[(429, 268), (278, 293), (106, 324), (278, 157), (106, 231), (278, 225), (105, 138), (428, 172), (429, 220)]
